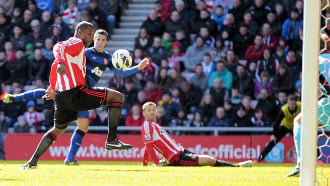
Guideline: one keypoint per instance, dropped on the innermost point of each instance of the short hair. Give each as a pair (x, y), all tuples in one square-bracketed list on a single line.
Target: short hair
[(147, 104), (292, 97), (102, 32), (83, 25)]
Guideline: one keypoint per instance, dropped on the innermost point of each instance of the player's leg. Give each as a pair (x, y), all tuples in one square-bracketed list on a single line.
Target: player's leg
[(282, 131), (62, 119), (297, 141), (115, 101), (76, 138), (31, 94)]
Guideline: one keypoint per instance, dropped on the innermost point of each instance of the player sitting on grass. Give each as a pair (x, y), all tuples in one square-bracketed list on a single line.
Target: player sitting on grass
[(156, 138)]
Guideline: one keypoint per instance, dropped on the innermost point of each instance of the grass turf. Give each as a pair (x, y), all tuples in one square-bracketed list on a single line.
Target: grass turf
[(132, 173)]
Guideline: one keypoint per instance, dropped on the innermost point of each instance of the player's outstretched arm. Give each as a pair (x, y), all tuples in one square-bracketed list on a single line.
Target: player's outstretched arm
[(143, 64), (130, 71)]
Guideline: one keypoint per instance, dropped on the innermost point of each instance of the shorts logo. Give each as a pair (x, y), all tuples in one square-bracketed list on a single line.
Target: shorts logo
[(105, 61), (147, 137)]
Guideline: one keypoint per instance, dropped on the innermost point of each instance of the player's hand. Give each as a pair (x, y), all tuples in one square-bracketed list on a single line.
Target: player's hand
[(273, 138), (143, 64), (163, 162), (49, 94), (61, 69)]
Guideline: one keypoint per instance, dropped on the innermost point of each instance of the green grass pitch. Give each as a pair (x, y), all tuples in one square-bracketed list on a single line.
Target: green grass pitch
[(132, 173)]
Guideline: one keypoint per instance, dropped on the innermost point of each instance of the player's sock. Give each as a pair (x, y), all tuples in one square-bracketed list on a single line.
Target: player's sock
[(76, 140), (31, 94), (114, 115), (221, 163), (44, 144)]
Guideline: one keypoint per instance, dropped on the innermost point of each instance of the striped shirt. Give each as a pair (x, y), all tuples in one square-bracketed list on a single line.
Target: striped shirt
[(72, 54), (156, 138)]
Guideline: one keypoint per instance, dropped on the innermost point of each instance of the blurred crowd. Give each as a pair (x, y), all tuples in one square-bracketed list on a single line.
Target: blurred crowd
[(215, 63)]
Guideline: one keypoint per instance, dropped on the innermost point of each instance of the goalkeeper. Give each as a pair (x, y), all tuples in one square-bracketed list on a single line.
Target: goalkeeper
[(323, 109)]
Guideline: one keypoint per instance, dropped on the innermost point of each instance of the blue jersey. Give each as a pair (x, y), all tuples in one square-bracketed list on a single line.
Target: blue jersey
[(96, 64)]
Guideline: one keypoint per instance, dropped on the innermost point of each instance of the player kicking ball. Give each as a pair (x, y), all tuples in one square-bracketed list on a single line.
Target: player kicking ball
[(156, 138)]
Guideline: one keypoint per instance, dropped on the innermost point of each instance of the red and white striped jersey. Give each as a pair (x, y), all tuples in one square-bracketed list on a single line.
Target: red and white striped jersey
[(72, 54), (156, 138)]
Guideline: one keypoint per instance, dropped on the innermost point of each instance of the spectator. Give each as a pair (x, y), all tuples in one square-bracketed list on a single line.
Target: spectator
[(254, 52), (141, 97), (25, 23), (218, 92), (207, 105), (297, 43), (259, 11), (10, 51), (112, 10), (180, 120), (266, 63), (205, 20), (194, 54), (4, 74), (157, 51), (163, 9), (117, 82), (267, 104), (37, 67), (138, 56), (246, 102), (83, 4), (229, 26), (291, 25), (143, 40), (163, 80), (208, 64), (152, 69), (219, 119), (232, 61), (228, 43), (18, 38), (130, 93), (95, 119), (253, 27), (135, 118), (59, 6), (275, 24), (241, 119), (279, 54), (294, 64), (174, 23), (29, 51), (175, 77), (35, 37), (237, 10), (219, 16), (219, 51), (18, 68), (153, 92), (167, 42), (36, 12), (154, 24), (227, 5), (70, 15), (21, 126), (161, 116), (16, 16), (97, 14), (4, 28), (243, 81), (263, 82), (199, 79), (171, 108), (208, 39), (176, 95), (269, 39), (176, 57), (229, 109), (32, 117), (235, 97), (281, 12), (281, 98), (223, 73), (66, 32), (190, 96), (241, 41), (283, 81), (180, 36), (47, 51), (258, 119), (197, 120), (180, 6), (46, 23)]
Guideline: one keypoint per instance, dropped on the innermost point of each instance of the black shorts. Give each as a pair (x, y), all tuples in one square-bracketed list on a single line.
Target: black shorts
[(186, 158), (69, 102)]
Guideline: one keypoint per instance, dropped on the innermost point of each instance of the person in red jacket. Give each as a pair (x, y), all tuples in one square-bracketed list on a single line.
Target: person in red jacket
[(135, 118), (254, 52), (156, 138)]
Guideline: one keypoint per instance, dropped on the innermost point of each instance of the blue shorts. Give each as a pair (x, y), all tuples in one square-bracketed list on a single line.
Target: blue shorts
[(83, 114)]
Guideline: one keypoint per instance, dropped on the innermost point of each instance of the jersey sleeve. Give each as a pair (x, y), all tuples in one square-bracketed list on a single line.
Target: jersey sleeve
[(53, 75), (149, 152), (72, 46)]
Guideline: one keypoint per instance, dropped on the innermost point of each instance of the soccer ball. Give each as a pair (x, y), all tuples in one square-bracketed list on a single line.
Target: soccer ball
[(121, 59)]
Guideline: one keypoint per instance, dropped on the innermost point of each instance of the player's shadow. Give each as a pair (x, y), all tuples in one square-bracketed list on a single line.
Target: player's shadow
[(119, 170)]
